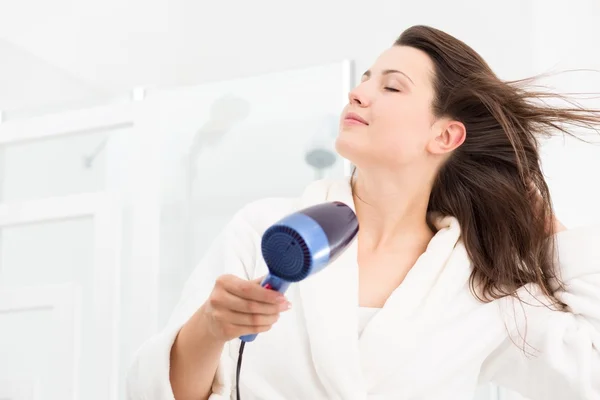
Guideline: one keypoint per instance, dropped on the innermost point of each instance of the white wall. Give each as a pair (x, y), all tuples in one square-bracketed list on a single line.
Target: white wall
[(178, 42), (565, 39), (30, 85)]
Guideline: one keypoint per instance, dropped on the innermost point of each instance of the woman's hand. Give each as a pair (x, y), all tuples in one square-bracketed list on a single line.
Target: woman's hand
[(237, 307), (553, 225), (557, 226)]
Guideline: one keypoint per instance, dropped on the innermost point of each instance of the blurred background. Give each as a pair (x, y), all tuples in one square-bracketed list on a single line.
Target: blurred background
[(131, 131)]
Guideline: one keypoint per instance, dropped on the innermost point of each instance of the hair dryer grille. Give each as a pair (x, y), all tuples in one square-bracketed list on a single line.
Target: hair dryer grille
[(286, 253)]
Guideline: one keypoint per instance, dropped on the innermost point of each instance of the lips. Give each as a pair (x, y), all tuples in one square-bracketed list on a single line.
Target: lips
[(355, 118)]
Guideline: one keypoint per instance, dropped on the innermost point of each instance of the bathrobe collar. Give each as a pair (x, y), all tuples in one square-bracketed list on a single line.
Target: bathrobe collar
[(332, 295)]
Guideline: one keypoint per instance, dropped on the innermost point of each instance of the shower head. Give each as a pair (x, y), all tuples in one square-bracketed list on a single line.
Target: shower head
[(225, 112), (320, 157), (320, 153)]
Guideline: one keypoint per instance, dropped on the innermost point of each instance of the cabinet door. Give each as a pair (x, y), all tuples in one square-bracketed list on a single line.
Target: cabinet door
[(40, 346), (59, 297), (60, 255)]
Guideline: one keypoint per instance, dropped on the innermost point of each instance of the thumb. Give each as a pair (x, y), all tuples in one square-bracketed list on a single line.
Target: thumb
[(258, 280)]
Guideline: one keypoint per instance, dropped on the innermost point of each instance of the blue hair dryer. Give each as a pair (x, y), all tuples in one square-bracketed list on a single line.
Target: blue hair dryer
[(305, 242)]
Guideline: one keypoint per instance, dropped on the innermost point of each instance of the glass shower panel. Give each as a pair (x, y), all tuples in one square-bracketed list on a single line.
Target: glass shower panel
[(225, 144)]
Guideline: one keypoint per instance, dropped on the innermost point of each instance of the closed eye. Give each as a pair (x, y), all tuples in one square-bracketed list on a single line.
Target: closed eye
[(389, 89)]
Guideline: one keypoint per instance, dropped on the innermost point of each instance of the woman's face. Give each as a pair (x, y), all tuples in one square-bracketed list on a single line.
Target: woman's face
[(395, 126)]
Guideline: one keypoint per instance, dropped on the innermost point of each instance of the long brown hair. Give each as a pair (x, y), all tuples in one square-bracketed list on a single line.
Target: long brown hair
[(486, 183)]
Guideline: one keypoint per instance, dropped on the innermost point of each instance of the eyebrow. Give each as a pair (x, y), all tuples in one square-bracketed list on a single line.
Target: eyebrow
[(367, 74)]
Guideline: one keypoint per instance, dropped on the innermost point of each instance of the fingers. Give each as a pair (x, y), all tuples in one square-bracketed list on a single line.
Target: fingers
[(239, 304), (233, 331), (248, 320), (250, 290), (238, 307)]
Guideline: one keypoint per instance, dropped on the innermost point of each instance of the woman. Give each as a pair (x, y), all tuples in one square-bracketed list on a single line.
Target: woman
[(453, 280)]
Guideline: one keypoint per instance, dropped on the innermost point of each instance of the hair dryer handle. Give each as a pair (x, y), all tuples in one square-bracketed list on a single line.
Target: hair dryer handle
[(273, 283)]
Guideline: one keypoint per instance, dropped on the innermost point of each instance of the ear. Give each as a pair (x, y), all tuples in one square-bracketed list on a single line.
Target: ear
[(449, 136)]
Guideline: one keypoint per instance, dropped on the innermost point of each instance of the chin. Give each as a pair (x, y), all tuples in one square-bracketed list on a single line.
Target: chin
[(365, 156), (349, 149)]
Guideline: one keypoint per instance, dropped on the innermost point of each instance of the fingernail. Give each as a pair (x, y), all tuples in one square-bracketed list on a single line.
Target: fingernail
[(285, 306), (281, 299)]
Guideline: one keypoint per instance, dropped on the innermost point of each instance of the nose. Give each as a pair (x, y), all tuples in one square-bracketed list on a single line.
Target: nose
[(358, 97)]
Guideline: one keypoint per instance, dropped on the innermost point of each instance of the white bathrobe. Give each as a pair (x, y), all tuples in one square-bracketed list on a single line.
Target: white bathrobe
[(432, 340)]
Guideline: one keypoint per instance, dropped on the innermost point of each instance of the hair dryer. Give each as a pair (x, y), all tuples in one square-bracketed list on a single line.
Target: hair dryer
[(305, 242)]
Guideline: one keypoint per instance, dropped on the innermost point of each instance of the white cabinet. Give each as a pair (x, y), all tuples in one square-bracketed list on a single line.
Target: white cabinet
[(59, 296), (60, 260)]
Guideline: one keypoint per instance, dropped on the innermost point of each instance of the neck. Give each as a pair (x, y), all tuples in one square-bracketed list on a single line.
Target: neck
[(391, 209)]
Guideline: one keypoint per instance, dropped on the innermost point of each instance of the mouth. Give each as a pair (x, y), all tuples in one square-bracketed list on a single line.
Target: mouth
[(355, 119)]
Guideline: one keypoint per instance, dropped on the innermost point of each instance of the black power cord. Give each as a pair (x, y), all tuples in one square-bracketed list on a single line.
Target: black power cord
[(237, 372)]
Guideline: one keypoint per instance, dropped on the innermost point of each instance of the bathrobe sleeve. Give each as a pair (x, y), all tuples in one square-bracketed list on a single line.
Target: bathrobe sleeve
[(232, 252), (550, 354)]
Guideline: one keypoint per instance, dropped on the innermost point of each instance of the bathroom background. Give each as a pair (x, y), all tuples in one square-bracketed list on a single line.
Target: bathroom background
[(131, 131)]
